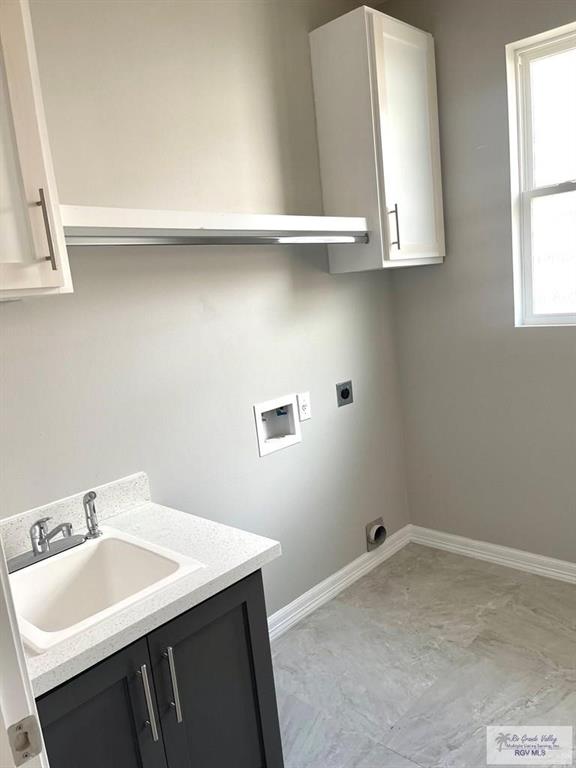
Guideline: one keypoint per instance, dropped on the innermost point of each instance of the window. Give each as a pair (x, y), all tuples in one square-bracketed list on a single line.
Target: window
[(542, 111)]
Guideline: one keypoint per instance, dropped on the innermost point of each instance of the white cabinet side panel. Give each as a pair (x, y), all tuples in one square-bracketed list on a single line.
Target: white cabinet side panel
[(348, 162)]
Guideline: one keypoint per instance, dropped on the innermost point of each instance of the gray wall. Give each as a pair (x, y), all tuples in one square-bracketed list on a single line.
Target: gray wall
[(490, 410), (156, 359)]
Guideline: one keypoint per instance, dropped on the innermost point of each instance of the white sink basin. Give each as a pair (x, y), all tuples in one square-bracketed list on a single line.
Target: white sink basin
[(65, 594)]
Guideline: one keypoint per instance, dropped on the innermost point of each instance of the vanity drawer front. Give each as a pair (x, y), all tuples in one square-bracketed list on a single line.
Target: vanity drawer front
[(222, 670), (99, 718)]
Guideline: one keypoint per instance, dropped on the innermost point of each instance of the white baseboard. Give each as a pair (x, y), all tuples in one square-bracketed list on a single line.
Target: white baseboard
[(562, 570), (291, 614)]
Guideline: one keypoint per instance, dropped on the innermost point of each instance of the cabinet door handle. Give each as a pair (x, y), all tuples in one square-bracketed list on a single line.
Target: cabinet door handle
[(42, 204), (151, 722), (395, 212), (169, 654)]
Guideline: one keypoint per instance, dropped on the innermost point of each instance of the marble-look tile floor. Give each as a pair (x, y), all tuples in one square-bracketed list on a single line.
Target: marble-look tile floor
[(407, 667)]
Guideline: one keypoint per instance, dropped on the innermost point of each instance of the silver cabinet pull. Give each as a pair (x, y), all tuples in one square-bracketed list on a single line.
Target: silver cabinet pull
[(151, 722), (395, 212), (42, 204), (169, 654)]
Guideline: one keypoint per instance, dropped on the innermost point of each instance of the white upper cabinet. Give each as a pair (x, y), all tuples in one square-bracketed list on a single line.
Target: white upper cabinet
[(377, 119), (33, 256)]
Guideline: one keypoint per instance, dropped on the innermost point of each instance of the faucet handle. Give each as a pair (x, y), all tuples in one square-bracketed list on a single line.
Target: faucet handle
[(40, 526), (38, 534)]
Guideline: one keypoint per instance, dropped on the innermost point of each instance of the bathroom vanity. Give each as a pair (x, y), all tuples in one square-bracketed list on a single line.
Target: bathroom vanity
[(148, 646), (197, 691)]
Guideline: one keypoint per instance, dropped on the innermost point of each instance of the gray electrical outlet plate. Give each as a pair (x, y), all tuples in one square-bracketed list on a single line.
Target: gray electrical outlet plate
[(344, 393)]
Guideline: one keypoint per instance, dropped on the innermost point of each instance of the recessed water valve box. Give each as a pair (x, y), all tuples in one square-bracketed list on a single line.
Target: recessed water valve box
[(277, 424)]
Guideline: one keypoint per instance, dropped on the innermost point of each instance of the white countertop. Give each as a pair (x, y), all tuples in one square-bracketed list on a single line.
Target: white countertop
[(228, 555)]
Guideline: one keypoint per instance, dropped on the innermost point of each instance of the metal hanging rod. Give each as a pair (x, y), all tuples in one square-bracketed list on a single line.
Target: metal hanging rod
[(84, 225), (219, 239)]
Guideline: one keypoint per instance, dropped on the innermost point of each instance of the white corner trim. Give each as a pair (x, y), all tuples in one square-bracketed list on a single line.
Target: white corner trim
[(291, 614), (326, 590), (562, 570)]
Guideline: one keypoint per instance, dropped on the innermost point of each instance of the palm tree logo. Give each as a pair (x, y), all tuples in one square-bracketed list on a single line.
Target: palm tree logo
[(502, 739)]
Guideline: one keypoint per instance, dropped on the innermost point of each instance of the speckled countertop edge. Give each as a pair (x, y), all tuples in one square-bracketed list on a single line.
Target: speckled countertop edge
[(228, 555)]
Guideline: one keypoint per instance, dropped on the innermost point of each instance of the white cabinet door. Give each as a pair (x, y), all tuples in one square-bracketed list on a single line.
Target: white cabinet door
[(407, 132), (33, 256), (377, 121)]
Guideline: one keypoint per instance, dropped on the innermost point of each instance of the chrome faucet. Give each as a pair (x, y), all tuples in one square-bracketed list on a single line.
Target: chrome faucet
[(42, 544), (91, 516), (41, 537)]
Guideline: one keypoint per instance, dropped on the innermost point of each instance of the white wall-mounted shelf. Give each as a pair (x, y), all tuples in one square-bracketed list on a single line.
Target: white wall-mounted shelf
[(87, 225)]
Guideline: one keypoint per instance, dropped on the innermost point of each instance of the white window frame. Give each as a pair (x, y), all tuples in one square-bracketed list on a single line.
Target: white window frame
[(518, 57)]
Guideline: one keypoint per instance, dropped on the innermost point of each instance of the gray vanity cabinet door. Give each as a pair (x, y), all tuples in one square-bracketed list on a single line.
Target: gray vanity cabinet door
[(98, 719), (222, 670)]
